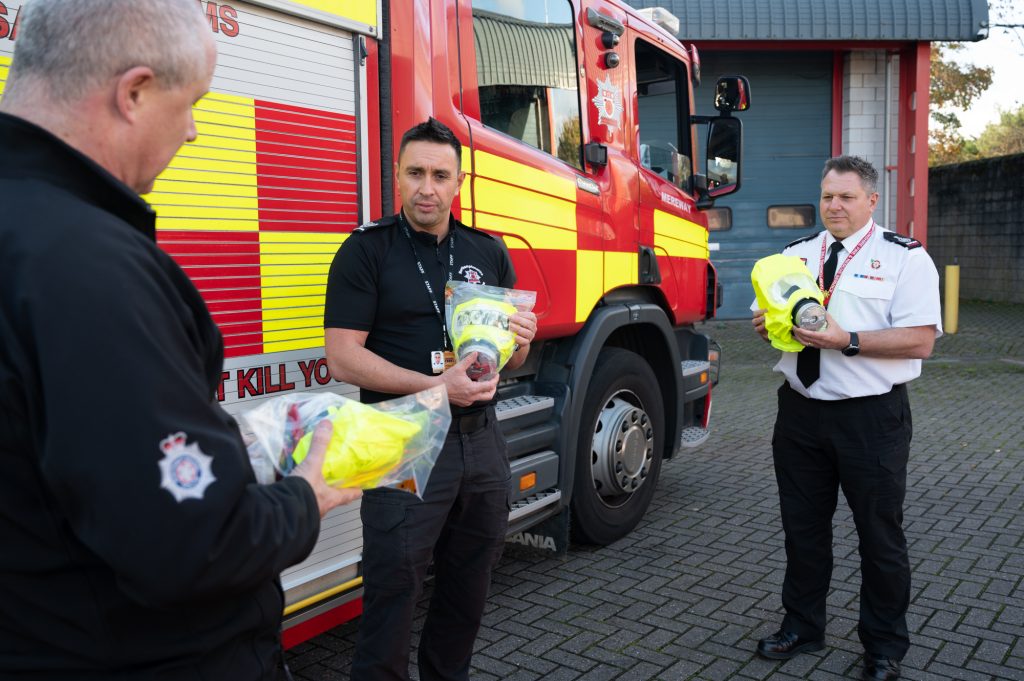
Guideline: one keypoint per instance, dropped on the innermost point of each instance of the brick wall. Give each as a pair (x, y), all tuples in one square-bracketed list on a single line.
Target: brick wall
[(864, 118), (976, 216)]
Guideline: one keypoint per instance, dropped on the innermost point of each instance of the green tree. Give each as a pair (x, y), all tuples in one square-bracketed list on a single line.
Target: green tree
[(1003, 138), (952, 87), (569, 137)]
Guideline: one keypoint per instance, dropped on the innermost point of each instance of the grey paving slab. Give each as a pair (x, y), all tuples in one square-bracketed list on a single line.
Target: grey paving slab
[(689, 593)]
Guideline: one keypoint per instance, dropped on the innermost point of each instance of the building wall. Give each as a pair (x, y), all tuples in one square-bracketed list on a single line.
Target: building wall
[(975, 220), (864, 119)]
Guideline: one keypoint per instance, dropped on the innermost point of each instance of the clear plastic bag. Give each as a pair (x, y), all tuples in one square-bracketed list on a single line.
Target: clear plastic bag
[(389, 444), (478, 322)]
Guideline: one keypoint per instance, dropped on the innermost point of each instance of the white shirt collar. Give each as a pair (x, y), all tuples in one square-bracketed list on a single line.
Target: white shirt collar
[(852, 239)]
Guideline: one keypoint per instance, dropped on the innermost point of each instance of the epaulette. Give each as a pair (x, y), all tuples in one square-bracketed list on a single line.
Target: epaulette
[(383, 222), (802, 239), (478, 232), (901, 240)]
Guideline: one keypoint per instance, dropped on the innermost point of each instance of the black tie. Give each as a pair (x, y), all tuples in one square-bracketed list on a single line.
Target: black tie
[(808, 360)]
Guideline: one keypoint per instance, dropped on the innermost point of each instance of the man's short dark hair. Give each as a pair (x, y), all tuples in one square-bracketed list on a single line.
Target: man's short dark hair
[(854, 164), (433, 130)]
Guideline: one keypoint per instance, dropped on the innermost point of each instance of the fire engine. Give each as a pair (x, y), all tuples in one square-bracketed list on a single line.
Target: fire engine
[(582, 153)]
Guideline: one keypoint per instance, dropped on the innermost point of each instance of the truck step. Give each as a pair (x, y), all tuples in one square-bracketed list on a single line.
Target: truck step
[(534, 503), (691, 367), (693, 436), (531, 439), (526, 421), (524, 405)]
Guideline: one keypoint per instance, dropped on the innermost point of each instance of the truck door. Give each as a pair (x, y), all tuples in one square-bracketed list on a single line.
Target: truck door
[(668, 219), (521, 96)]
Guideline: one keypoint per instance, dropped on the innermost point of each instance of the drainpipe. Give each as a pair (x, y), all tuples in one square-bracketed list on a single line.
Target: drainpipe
[(887, 132)]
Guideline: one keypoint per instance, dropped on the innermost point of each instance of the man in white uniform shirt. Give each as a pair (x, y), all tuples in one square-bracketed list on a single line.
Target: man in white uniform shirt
[(844, 418)]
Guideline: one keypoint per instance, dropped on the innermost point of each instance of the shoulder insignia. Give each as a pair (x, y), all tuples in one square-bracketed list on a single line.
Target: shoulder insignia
[(383, 222), (185, 470), (802, 239), (478, 232), (901, 240)]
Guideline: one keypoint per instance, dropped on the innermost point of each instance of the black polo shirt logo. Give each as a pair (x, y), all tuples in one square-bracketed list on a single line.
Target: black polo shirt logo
[(472, 274)]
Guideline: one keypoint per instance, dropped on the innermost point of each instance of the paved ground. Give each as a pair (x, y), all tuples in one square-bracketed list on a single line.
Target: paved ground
[(687, 595)]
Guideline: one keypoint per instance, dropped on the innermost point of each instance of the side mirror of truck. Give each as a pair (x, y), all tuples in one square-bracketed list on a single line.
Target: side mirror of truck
[(725, 142), (732, 93)]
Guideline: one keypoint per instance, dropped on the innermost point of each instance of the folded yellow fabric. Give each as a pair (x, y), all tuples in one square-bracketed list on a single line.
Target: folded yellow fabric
[(366, 444)]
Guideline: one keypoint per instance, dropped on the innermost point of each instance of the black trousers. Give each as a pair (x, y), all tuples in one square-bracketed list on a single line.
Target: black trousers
[(461, 524), (860, 445)]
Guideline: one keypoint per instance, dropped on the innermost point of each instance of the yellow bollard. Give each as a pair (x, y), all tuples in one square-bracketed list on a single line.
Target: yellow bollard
[(949, 321)]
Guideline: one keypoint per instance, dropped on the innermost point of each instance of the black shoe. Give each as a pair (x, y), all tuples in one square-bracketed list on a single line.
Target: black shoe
[(783, 645), (880, 668)]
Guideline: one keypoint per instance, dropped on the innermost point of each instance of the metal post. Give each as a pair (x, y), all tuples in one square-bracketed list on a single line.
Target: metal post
[(949, 321)]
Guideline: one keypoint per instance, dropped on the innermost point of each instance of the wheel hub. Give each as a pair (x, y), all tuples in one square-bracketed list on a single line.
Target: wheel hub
[(623, 448)]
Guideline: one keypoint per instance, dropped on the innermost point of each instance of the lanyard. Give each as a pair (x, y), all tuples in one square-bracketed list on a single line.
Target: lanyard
[(426, 280), (839, 272)]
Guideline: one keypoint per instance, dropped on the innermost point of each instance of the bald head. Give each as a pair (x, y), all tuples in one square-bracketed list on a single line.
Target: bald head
[(68, 48)]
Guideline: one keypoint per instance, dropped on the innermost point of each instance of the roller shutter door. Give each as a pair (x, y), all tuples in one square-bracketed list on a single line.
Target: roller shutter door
[(787, 136), (254, 211)]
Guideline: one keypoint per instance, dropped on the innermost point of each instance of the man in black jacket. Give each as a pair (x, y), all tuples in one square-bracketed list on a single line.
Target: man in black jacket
[(136, 543)]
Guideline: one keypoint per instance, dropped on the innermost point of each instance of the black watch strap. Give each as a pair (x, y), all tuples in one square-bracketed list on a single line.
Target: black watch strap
[(854, 347)]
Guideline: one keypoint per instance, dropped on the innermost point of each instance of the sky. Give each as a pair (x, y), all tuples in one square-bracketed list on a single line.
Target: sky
[(1004, 50)]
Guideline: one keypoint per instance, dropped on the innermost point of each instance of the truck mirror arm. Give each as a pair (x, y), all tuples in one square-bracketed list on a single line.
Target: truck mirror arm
[(700, 188)]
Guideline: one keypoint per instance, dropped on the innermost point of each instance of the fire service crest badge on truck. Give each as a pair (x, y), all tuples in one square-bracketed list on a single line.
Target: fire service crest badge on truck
[(608, 101)]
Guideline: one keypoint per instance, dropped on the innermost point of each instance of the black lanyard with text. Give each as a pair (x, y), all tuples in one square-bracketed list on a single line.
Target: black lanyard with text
[(445, 343)]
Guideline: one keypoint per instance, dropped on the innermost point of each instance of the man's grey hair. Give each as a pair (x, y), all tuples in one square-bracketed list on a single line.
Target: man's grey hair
[(854, 164), (69, 47)]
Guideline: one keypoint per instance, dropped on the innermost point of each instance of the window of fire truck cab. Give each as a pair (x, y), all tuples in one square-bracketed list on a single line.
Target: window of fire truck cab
[(526, 74), (663, 106)]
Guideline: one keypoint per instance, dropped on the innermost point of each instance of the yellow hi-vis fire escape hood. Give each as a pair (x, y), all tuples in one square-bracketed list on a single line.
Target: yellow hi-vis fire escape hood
[(783, 286)]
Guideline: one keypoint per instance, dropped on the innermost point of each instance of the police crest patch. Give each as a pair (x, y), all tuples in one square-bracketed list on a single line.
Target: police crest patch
[(185, 471)]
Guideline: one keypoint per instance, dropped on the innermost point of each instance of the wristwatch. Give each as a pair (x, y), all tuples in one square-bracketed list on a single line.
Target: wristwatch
[(854, 347)]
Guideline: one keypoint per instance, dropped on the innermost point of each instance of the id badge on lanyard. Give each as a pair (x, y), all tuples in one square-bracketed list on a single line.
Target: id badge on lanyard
[(443, 359)]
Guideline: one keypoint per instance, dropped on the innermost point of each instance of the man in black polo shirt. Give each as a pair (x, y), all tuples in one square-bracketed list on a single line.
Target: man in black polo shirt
[(384, 326)]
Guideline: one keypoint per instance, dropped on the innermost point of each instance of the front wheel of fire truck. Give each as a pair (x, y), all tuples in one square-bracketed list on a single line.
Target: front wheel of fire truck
[(622, 431)]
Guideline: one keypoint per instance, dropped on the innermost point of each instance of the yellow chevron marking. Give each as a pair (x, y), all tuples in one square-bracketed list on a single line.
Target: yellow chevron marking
[(360, 11), (5, 67), (551, 220), (293, 280), (532, 179), (533, 234), (465, 194), (679, 237), (210, 184), (286, 304), (620, 269), (589, 282)]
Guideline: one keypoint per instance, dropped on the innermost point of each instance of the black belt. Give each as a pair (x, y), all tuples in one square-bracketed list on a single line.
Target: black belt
[(899, 388), (470, 423)]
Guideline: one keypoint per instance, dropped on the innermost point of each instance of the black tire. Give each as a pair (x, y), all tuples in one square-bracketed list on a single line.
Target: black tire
[(619, 450)]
